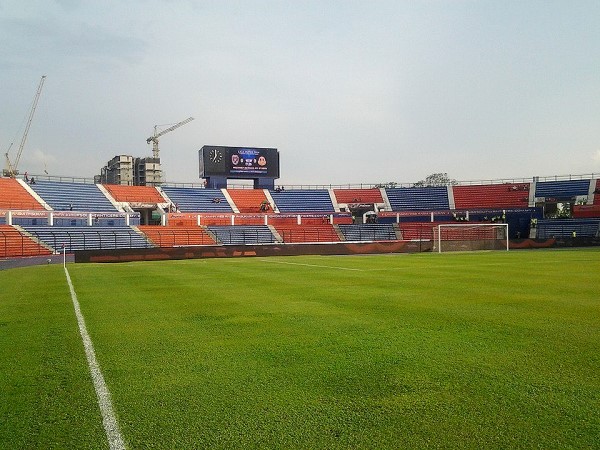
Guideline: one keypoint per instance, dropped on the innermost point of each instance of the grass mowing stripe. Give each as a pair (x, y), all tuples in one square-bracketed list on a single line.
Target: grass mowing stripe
[(109, 420), (313, 265)]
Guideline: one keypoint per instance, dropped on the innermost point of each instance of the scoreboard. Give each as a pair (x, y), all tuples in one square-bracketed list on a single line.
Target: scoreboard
[(238, 162)]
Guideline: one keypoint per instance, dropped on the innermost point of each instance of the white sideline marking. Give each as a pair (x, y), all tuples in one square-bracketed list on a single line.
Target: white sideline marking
[(111, 427), (313, 265)]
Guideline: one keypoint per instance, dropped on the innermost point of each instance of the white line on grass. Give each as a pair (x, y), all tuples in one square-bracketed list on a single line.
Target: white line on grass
[(313, 265), (109, 420)]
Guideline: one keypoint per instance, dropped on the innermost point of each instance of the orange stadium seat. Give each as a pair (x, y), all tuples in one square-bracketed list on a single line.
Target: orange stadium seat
[(14, 243), (177, 235), (138, 194), (14, 196), (358, 195), (491, 196), (248, 200)]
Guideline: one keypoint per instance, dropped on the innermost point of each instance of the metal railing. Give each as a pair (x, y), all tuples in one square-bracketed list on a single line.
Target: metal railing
[(389, 184), (91, 240), (16, 245), (172, 238)]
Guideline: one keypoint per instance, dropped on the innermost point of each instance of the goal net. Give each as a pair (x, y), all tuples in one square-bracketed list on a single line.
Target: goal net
[(451, 237)]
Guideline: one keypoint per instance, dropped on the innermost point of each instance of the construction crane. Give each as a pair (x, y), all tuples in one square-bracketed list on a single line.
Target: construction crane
[(12, 167), (156, 135)]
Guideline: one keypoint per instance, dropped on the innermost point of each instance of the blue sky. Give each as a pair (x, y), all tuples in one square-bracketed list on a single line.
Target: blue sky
[(348, 91)]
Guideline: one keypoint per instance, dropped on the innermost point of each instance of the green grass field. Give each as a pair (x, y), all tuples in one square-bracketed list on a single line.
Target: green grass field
[(472, 350)]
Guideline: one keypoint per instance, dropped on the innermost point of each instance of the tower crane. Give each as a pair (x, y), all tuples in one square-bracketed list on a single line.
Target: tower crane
[(12, 166), (157, 134)]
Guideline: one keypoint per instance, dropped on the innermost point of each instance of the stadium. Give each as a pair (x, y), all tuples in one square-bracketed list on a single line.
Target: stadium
[(273, 316), (105, 222)]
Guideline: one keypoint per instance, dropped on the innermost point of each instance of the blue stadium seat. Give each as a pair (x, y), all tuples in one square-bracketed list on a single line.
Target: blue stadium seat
[(418, 198), (309, 200), (63, 196), (88, 238), (369, 232), (198, 199), (243, 234), (562, 189), (561, 228)]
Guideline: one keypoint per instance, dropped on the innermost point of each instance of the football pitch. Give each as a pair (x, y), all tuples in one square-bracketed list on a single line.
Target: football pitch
[(465, 350)]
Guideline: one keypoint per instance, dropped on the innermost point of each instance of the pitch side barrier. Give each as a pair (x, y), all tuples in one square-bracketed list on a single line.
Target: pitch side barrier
[(231, 251)]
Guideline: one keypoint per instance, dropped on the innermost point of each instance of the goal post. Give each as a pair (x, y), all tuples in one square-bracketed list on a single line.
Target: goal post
[(470, 237)]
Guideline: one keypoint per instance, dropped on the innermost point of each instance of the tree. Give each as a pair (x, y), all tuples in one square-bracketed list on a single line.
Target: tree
[(390, 185), (436, 179)]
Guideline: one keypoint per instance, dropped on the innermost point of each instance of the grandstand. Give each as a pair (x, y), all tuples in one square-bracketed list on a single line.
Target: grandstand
[(42, 217)]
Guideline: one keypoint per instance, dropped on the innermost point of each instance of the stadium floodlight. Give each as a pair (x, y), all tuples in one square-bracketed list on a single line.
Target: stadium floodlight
[(471, 236)]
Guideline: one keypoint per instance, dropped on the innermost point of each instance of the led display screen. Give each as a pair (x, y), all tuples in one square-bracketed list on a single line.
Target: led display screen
[(239, 162)]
